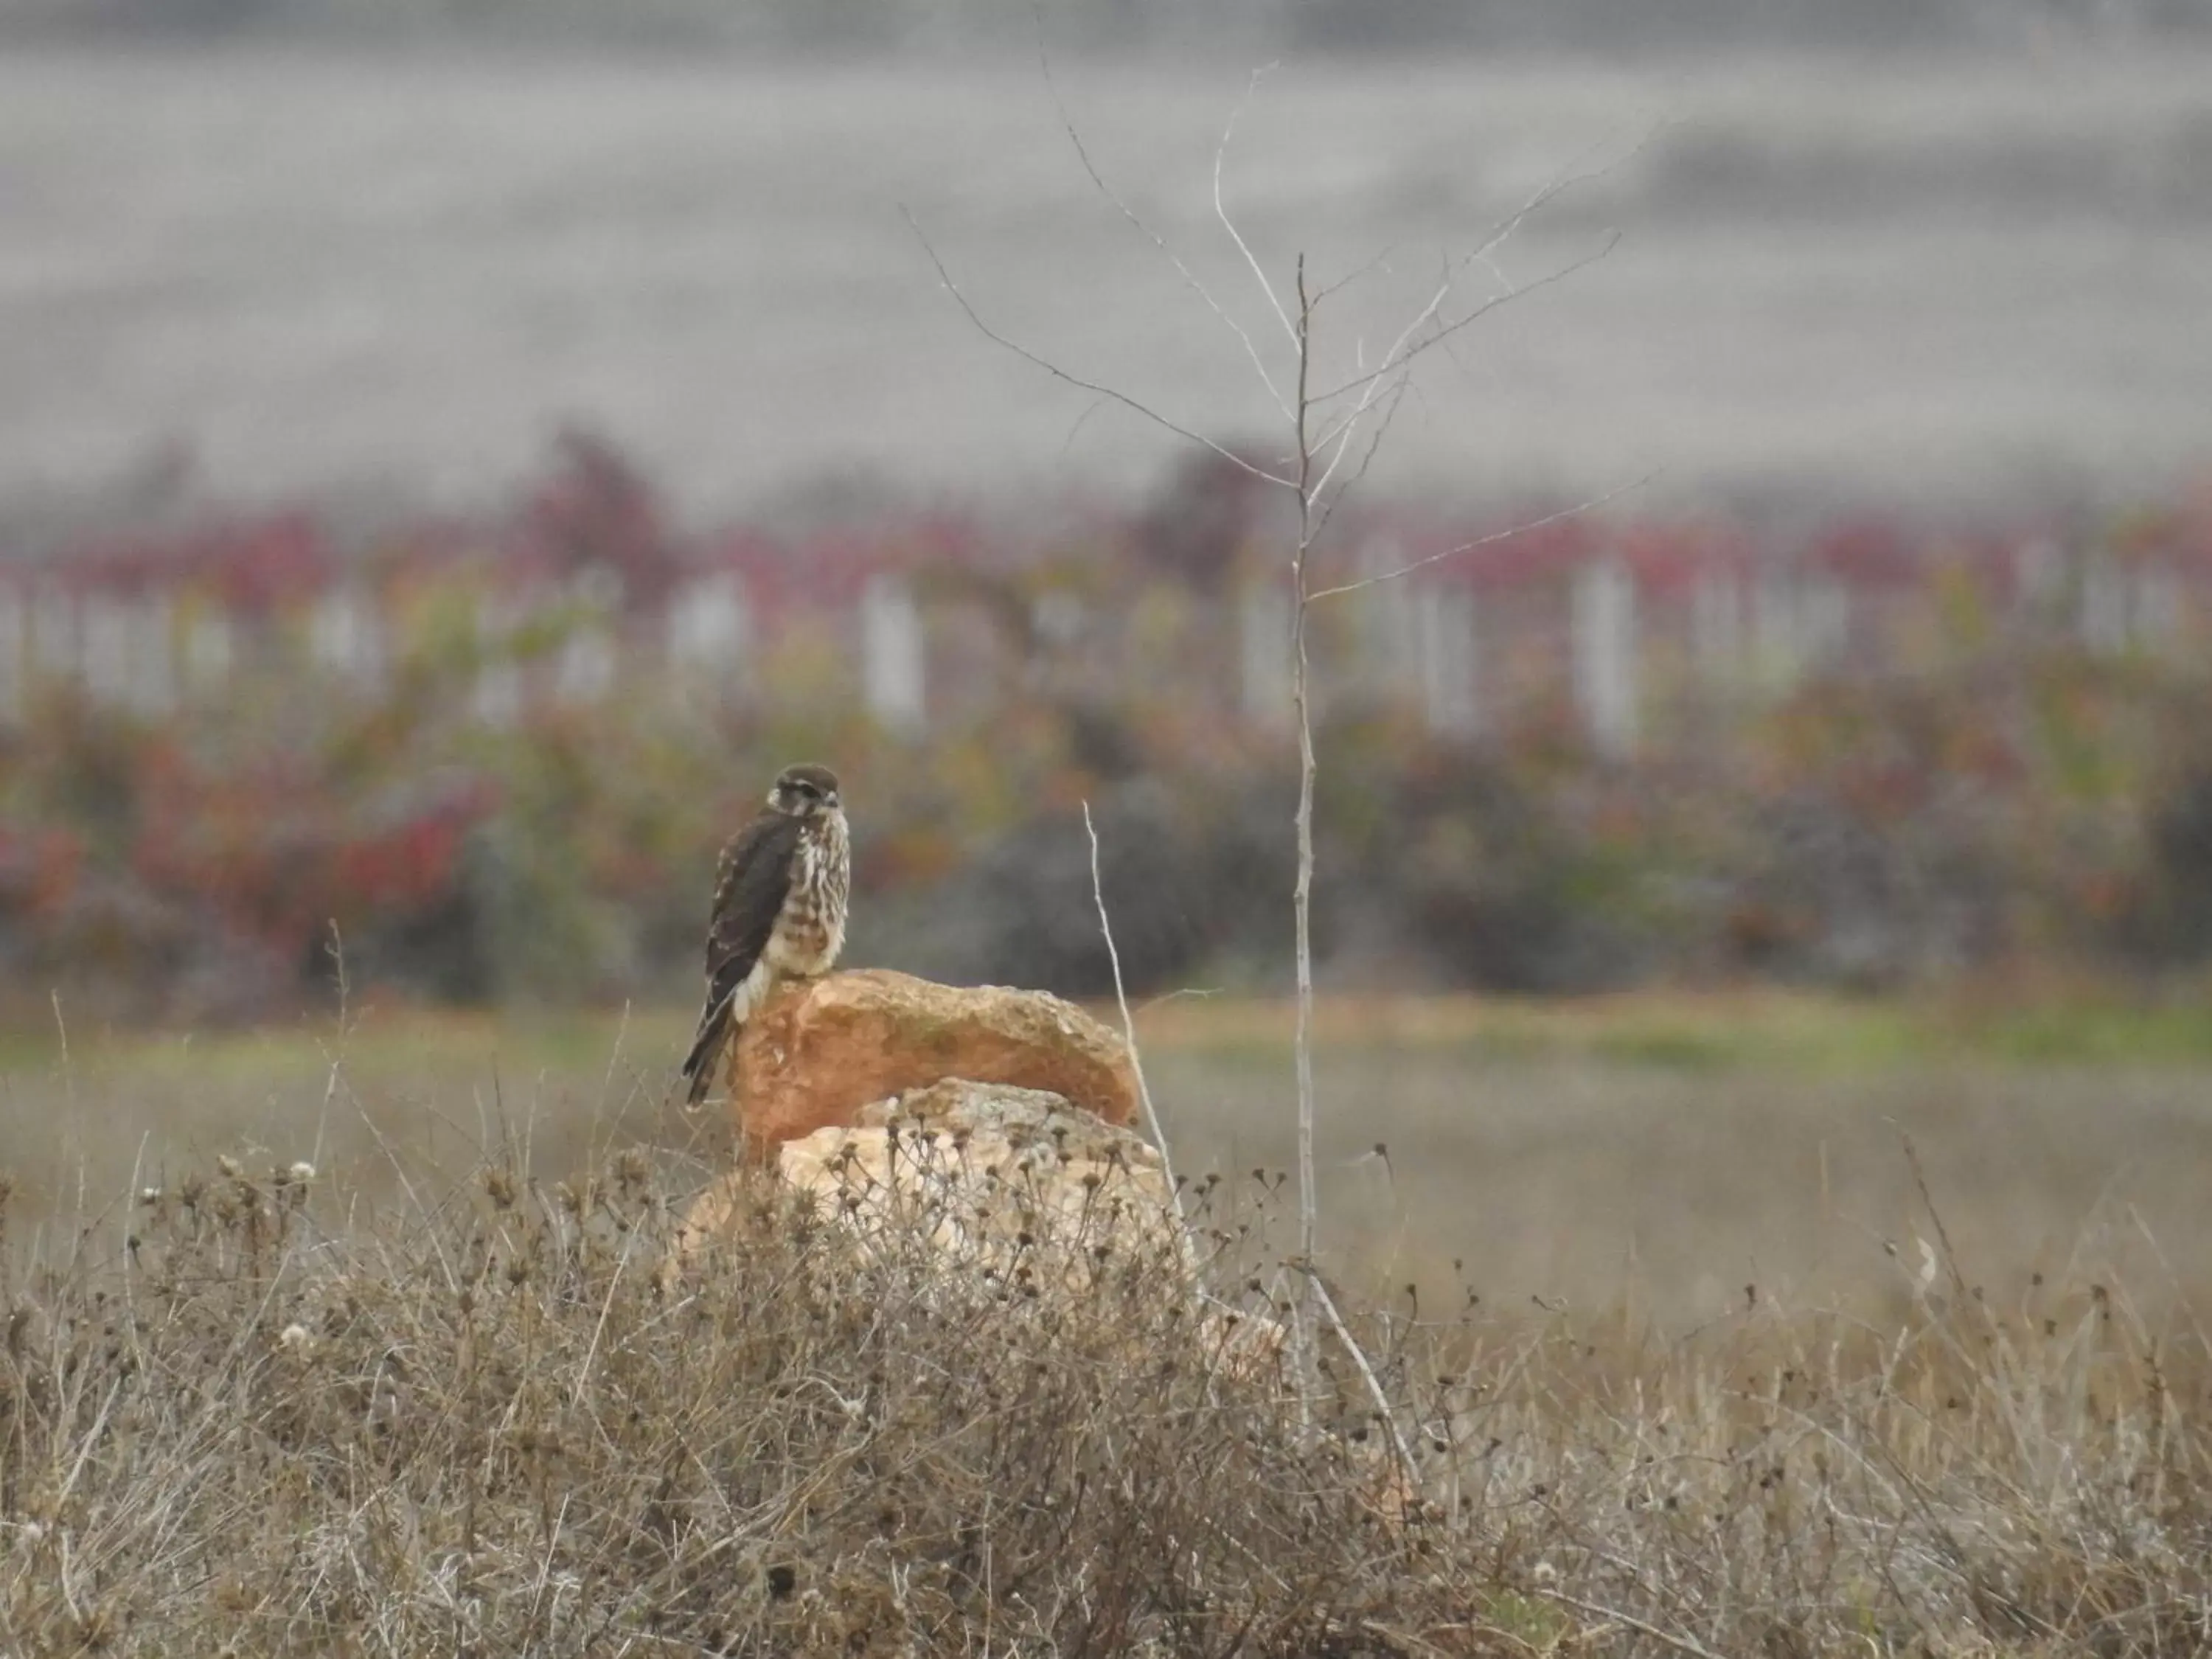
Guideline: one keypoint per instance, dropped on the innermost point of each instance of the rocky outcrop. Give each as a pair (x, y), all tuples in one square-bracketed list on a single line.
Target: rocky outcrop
[(1020, 1193), (1016, 1183), (820, 1050)]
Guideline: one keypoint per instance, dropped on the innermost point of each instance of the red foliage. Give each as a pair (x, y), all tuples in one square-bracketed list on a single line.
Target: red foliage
[(39, 869), (278, 853)]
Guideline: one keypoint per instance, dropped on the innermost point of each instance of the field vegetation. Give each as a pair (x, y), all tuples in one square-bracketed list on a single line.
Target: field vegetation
[(356, 1341), (2007, 809)]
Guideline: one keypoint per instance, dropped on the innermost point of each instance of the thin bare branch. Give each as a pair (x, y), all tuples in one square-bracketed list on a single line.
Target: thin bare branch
[(1398, 395), (1339, 438), (1393, 362), (1406, 354), (1080, 422), (1591, 504), (1378, 261), (1500, 233), (1366, 1372), (1382, 376), (1189, 277), (1221, 212), (1129, 1025), (1077, 380)]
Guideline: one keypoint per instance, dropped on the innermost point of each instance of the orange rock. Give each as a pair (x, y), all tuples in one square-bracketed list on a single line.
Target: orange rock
[(821, 1050)]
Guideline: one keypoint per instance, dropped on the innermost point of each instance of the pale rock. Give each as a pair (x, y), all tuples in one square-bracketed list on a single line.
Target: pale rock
[(1016, 1183)]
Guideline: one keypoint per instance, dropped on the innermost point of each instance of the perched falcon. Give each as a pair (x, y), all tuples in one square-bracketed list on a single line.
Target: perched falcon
[(779, 912)]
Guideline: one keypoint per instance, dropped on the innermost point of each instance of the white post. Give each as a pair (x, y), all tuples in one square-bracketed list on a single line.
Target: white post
[(1395, 635), (1774, 630), (1605, 658), (345, 636), (1824, 620), (586, 670), (2038, 571), (710, 630), (1450, 661), (893, 658), (208, 648), (106, 624), (152, 674)]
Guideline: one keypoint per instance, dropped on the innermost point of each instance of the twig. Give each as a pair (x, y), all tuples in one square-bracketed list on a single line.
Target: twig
[(1221, 154), (69, 1072), (599, 1329), (1189, 277), (399, 1171), (336, 1054), (1589, 505), (1397, 396), (1366, 1372), (1928, 1198), (614, 1059), (1128, 1026), (1399, 359), (1077, 380), (1499, 235)]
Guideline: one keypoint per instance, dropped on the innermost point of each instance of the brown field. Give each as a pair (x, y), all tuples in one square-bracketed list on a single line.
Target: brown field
[(421, 1403)]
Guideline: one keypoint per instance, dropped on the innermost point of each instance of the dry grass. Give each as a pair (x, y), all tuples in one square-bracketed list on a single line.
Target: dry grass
[(1657, 1152), (240, 1417), (444, 1403), (492, 1428)]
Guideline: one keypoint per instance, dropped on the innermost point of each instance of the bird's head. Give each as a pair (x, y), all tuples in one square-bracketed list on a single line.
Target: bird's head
[(803, 791)]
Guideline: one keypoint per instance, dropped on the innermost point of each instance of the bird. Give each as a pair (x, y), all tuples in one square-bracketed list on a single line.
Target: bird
[(780, 891)]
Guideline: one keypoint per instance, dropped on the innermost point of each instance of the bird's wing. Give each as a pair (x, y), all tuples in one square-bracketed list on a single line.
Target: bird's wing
[(749, 893), (750, 885)]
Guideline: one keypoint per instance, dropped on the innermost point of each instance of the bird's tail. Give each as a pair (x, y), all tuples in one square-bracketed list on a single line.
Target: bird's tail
[(706, 1048)]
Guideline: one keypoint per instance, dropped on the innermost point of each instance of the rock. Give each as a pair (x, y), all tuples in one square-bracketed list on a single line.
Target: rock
[(822, 1049), (1016, 1182), (1020, 1193)]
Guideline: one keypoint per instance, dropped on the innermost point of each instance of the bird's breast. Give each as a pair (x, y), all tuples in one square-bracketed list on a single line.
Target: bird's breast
[(810, 931)]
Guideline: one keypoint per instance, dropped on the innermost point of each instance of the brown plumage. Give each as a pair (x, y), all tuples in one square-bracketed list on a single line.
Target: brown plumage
[(779, 912)]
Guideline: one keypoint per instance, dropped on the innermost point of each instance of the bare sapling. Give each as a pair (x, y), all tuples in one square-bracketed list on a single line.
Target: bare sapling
[(1333, 428)]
